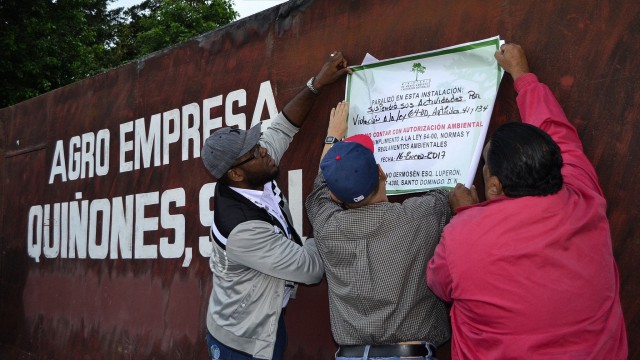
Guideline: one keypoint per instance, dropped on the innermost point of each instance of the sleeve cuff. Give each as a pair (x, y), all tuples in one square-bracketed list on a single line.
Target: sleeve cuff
[(525, 81), (283, 123), (290, 122)]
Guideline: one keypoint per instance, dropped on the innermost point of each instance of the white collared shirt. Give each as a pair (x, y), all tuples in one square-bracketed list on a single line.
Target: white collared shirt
[(268, 200)]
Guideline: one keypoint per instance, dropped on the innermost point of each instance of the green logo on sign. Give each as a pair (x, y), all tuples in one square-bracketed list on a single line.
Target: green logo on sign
[(418, 69)]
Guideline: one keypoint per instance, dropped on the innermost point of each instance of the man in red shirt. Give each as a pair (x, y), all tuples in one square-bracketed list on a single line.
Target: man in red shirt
[(530, 271)]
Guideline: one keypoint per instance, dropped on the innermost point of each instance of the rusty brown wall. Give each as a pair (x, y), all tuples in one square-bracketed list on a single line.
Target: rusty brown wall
[(62, 308)]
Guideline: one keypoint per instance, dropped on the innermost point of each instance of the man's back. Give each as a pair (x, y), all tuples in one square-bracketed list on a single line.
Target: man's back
[(536, 277), (374, 260)]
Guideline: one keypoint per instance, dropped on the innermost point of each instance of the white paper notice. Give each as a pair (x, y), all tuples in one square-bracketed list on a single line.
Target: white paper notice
[(427, 113)]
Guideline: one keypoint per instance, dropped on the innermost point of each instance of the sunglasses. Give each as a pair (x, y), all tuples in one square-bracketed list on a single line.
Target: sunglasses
[(255, 153)]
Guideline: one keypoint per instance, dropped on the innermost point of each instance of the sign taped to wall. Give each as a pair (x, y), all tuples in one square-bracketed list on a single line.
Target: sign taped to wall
[(427, 113)]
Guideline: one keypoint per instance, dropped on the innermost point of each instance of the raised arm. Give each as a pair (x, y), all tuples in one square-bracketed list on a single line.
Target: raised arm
[(539, 107), (334, 68), (337, 124), (319, 205), (255, 245)]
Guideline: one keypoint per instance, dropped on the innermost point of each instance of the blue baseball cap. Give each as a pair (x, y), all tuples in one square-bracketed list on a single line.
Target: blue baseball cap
[(350, 169)]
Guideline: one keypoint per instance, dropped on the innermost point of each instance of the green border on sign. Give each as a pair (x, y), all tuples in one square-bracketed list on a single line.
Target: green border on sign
[(480, 44), (495, 42)]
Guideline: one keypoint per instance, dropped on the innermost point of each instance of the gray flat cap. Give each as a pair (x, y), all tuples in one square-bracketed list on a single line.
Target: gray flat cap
[(225, 146)]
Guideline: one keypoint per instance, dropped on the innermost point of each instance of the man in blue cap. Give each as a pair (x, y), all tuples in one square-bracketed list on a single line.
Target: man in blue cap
[(374, 252), (257, 256)]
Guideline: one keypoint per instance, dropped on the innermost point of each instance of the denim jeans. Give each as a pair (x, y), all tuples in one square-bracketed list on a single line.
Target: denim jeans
[(430, 356), (219, 351)]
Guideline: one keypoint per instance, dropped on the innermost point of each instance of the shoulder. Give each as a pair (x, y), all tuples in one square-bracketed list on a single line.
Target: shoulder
[(235, 213), (485, 216), (434, 201)]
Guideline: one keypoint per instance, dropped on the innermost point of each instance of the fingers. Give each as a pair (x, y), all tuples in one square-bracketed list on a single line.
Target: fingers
[(506, 50), (338, 120), (336, 56), (474, 194), (344, 71), (509, 47), (341, 111), (458, 191), (461, 196), (512, 59), (338, 60), (334, 68)]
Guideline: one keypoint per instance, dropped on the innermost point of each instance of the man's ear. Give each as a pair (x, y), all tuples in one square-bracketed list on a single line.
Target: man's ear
[(334, 198), (381, 174), (235, 174), (494, 188)]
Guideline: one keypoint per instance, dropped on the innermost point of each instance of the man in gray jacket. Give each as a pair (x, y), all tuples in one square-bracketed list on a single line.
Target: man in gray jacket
[(257, 256)]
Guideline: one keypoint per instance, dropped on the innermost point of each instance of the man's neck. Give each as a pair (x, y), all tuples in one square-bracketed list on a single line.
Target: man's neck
[(381, 196), (245, 185), (378, 197)]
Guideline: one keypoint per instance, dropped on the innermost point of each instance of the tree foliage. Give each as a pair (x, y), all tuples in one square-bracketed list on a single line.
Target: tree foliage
[(51, 43), (157, 24)]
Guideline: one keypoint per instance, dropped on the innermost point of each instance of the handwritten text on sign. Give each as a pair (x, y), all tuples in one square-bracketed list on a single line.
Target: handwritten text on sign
[(427, 114)]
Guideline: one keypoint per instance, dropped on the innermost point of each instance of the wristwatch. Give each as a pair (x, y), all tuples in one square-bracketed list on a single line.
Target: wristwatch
[(331, 140), (310, 86)]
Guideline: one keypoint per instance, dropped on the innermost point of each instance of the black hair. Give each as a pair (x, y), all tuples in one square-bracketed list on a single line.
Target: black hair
[(365, 201), (526, 160)]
